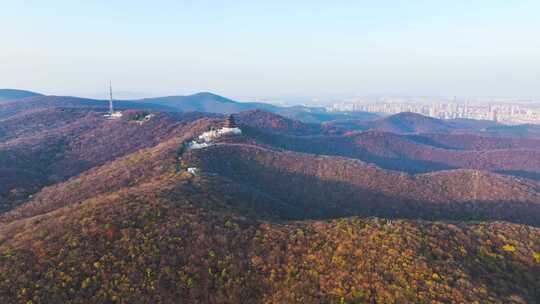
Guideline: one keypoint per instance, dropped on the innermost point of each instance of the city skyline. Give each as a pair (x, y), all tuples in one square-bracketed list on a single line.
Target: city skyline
[(504, 111)]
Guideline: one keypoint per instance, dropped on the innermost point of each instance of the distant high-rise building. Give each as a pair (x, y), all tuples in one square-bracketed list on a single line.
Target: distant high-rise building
[(494, 115)]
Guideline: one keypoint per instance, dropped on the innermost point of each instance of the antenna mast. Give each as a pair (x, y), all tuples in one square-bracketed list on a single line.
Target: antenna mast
[(111, 106)]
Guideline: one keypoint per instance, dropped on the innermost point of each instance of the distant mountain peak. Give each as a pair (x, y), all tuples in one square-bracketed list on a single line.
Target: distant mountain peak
[(12, 94), (411, 116), (208, 94), (408, 122)]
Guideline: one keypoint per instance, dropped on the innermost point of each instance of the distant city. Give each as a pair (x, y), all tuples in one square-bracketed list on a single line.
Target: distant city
[(507, 111)]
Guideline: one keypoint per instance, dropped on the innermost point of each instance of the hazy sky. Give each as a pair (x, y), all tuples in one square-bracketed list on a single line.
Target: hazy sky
[(248, 49)]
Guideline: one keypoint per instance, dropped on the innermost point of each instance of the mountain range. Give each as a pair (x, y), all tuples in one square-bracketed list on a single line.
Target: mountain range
[(11, 94), (333, 208), (200, 102)]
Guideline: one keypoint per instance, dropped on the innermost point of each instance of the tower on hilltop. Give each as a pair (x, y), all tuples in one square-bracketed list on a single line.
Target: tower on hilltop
[(112, 114), (229, 122), (111, 103)]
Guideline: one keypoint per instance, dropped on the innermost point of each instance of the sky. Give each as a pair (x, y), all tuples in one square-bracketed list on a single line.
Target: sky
[(275, 50)]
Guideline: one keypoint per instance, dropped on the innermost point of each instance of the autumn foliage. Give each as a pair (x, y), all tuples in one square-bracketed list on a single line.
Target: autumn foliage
[(101, 211)]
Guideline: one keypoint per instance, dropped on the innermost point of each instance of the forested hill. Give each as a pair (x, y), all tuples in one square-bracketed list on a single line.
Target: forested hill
[(130, 210)]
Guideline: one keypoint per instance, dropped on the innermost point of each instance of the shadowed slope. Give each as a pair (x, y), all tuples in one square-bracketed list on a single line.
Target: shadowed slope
[(475, 142), (325, 187), (164, 240), (417, 153)]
